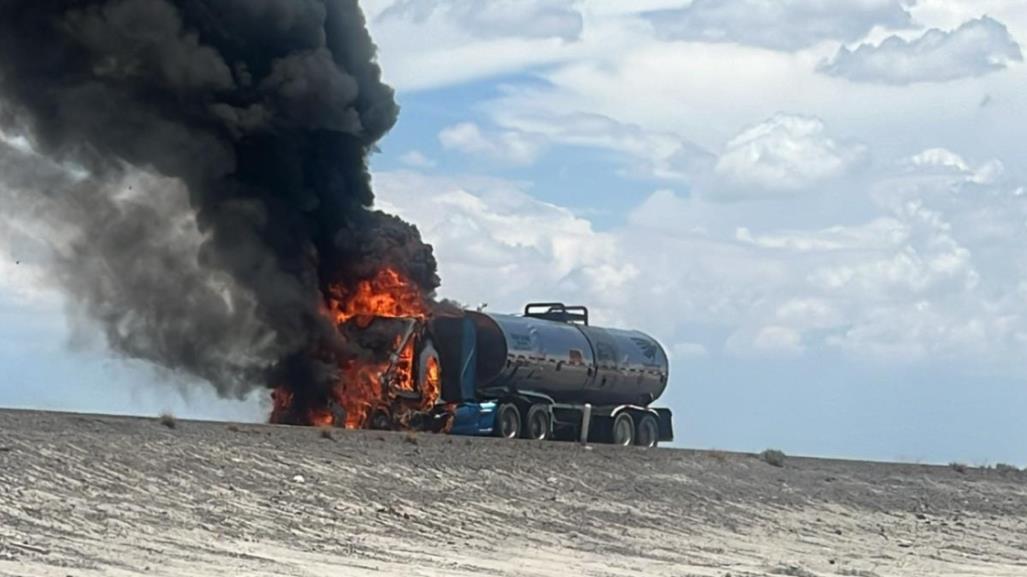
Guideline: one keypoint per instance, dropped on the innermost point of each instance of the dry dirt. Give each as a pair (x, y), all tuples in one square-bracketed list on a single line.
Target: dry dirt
[(88, 495)]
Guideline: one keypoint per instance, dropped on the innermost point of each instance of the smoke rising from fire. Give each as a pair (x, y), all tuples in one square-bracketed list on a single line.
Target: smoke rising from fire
[(202, 165)]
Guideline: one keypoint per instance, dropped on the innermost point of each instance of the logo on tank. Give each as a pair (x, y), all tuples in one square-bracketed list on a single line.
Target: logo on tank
[(647, 347)]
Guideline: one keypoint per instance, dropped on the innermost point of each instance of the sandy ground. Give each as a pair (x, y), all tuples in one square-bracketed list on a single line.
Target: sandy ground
[(87, 495)]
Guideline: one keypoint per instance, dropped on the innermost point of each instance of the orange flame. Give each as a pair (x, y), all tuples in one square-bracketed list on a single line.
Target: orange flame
[(366, 386), (387, 295), (432, 387)]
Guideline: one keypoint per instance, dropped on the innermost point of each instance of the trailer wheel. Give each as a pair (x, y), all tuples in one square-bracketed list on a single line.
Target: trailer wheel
[(623, 430), (648, 433), (508, 421), (538, 425)]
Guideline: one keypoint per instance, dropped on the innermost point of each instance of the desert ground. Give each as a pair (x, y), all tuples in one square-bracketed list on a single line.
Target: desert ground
[(84, 495)]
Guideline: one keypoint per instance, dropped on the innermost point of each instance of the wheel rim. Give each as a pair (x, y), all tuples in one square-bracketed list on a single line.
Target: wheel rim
[(509, 423), (647, 434), (538, 427), (622, 431)]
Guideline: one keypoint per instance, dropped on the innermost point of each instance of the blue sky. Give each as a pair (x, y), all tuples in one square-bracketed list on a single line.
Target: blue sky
[(817, 207)]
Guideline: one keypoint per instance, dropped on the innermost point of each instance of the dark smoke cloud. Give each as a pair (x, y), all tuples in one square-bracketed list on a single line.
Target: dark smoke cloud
[(218, 182)]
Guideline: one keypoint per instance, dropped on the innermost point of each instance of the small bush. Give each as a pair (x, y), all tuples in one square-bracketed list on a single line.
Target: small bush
[(1006, 469), (773, 457), (168, 420), (958, 467)]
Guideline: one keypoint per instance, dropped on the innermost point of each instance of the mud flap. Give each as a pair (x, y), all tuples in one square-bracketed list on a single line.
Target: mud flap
[(666, 425)]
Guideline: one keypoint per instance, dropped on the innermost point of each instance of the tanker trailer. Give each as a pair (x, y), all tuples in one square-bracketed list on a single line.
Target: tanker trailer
[(549, 374)]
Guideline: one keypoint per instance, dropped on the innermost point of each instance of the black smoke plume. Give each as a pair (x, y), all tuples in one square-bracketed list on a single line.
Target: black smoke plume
[(206, 161)]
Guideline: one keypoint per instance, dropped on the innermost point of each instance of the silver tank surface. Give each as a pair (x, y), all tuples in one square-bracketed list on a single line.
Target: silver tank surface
[(567, 361)]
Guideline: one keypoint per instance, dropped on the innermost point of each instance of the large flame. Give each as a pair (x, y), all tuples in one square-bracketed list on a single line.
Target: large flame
[(387, 295), (366, 386)]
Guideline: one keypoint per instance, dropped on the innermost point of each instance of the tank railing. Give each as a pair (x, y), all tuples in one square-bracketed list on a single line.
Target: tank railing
[(558, 312)]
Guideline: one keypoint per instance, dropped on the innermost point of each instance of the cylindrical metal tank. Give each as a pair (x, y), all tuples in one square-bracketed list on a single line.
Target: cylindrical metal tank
[(570, 362)]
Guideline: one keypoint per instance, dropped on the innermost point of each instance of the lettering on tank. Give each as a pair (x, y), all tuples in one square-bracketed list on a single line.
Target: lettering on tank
[(521, 341)]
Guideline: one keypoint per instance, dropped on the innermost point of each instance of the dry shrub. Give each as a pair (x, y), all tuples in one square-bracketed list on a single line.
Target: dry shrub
[(168, 420), (773, 457)]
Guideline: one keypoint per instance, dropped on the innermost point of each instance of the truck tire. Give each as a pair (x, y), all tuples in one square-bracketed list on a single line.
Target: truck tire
[(380, 421), (648, 433), (538, 424), (508, 421), (623, 430)]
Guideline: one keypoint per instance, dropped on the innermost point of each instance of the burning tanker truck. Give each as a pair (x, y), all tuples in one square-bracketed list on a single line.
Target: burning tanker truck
[(547, 374), (224, 226)]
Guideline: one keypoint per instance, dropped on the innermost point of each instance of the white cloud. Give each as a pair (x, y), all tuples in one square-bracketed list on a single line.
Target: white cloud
[(907, 272), (778, 294), (945, 161), (649, 154), (506, 147), (495, 18), (417, 159), (809, 313), (920, 278), (778, 339), (705, 92), (976, 48), (939, 157), (428, 44), (686, 350), (926, 331), (779, 25), (849, 248), (781, 156), (496, 242), (881, 233), (785, 154), (769, 341), (928, 260)]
